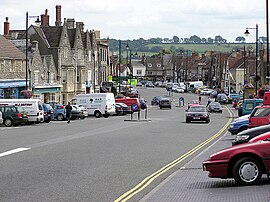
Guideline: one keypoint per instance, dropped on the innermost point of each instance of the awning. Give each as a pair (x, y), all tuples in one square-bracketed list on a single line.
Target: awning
[(12, 84)]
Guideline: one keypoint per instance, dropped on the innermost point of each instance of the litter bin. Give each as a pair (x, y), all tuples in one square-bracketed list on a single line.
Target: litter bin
[(181, 102)]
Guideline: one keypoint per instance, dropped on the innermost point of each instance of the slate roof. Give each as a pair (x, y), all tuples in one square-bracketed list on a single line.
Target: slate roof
[(53, 35), (9, 51), (71, 36)]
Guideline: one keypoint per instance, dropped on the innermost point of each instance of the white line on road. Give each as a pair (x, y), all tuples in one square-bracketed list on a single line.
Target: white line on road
[(13, 151)]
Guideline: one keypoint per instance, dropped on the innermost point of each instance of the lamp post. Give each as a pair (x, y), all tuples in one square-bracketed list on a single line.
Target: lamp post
[(26, 46), (267, 42), (127, 65), (256, 62), (94, 73), (119, 64)]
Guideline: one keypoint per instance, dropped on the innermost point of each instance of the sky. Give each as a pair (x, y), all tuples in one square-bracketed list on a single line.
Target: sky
[(126, 19)]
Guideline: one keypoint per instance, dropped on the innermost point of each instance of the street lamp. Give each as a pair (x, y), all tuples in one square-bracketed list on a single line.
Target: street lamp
[(119, 64), (267, 42), (127, 48), (26, 44), (256, 63)]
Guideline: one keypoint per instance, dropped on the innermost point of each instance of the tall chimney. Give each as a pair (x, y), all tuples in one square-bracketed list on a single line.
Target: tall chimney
[(45, 18), (58, 15), (6, 27)]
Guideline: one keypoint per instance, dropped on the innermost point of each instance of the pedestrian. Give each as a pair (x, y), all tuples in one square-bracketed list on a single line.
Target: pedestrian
[(209, 101), (200, 99), (68, 109)]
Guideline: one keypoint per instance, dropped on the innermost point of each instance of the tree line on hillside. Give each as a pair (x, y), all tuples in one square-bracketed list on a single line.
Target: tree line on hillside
[(141, 45)]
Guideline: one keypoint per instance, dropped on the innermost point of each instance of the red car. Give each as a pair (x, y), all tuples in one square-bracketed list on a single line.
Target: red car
[(262, 137), (245, 163), (259, 116)]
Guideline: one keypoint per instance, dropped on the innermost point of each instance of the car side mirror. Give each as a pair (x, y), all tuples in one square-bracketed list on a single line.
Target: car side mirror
[(186, 110)]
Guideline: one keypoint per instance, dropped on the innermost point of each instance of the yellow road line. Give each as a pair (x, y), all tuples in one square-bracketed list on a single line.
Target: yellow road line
[(148, 180)]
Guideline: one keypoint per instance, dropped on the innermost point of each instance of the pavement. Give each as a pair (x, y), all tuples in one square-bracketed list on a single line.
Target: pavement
[(191, 183)]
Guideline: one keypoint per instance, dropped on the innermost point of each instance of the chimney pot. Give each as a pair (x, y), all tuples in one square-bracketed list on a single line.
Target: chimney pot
[(6, 27)]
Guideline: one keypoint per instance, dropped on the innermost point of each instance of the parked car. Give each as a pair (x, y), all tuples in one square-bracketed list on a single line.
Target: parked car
[(248, 105), (59, 112), (261, 137), (76, 112), (48, 112), (214, 107), (1, 118), (124, 109), (245, 163), (165, 103), (149, 84), (259, 116), (238, 125), (118, 109), (84, 111), (197, 113), (222, 98), (155, 100), (13, 115), (246, 135)]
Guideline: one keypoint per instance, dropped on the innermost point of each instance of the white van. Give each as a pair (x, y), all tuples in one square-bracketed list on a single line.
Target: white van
[(33, 107), (97, 104)]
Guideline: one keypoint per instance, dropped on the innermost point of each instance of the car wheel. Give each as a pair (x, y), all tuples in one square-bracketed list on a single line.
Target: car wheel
[(8, 122), (247, 171), (48, 121), (187, 121), (60, 117), (97, 114), (207, 121)]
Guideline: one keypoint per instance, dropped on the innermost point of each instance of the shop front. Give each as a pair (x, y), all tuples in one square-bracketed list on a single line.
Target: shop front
[(48, 93), (11, 89)]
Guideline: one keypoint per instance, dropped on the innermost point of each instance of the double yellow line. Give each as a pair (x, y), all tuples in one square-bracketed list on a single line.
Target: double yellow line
[(148, 180)]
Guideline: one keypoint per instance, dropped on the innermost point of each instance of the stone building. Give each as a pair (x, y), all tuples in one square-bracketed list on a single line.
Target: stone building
[(12, 68)]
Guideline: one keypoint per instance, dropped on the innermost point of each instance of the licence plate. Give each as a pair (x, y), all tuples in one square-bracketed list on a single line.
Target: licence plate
[(196, 117)]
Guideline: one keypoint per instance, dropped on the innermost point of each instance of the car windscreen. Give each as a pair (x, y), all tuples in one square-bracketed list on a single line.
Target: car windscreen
[(197, 109)]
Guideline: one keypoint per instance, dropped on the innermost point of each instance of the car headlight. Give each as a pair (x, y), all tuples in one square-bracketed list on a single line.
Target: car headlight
[(241, 137), (231, 126)]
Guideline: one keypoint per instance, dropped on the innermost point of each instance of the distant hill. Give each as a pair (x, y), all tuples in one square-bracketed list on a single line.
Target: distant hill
[(144, 46)]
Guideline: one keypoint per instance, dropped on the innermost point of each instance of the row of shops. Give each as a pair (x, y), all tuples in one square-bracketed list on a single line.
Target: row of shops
[(15, 89)]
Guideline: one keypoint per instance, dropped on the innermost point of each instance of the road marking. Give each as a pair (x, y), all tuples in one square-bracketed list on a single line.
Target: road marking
[(13, 151), (148, 180)]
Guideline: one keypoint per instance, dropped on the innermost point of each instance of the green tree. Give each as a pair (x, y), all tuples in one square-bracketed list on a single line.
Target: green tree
[(195, 39), (176, 39), (240, 39)]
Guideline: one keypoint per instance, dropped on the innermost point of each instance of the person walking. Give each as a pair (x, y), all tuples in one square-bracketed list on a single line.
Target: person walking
[(68, 109), (200, 98)]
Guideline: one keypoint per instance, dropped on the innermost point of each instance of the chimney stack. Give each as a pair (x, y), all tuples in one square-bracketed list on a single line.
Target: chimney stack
[(58, 15), (45, 18), (6, 27)]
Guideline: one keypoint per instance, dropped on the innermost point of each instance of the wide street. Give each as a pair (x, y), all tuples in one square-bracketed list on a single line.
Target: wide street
[(100, 159)]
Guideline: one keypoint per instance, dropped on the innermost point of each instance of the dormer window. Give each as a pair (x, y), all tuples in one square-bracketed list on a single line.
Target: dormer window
[(158, 65), (149, 65)]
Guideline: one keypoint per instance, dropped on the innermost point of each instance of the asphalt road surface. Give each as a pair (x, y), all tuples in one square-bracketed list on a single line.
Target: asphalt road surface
[(99, 159)]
